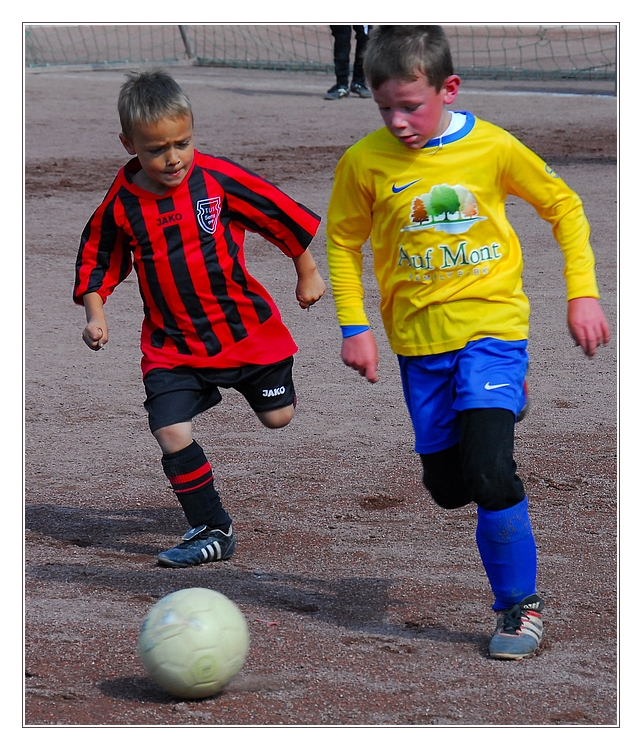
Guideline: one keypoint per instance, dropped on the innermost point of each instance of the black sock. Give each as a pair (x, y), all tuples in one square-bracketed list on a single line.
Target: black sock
[(190, 475)]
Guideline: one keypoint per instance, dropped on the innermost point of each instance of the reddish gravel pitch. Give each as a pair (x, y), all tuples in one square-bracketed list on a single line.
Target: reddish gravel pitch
[(366, 603)]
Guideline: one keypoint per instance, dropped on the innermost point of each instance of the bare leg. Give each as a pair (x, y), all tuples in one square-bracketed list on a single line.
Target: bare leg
[(276, 418), (174, 437)]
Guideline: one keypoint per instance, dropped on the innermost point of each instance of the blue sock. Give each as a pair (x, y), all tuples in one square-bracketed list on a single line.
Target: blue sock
[(507, 549)]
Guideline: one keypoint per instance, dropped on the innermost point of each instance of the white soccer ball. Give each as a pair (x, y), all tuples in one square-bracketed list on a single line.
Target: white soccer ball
[(193, 642)]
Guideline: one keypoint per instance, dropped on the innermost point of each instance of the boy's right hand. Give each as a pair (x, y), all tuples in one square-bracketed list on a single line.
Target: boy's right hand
[(95, 336), (360, 353)]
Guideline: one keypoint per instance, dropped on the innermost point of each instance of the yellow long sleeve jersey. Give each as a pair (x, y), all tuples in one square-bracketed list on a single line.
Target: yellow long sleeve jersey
[(447, 261)]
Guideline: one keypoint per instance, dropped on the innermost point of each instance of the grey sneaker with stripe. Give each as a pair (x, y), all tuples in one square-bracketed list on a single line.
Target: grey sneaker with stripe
[(200, 545), (519, 630)]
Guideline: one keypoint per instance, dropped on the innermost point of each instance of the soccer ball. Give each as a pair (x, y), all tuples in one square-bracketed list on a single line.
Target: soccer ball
[(193, 642)]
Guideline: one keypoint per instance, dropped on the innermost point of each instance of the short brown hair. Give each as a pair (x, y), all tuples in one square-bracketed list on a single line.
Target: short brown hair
[(399, 52), (148, 96)]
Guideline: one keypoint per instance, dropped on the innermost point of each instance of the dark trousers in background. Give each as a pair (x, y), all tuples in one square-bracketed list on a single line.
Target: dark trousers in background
[(342, 38)]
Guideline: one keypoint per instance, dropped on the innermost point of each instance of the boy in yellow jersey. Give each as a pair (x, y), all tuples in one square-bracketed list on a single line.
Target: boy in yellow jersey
[(428, 190)]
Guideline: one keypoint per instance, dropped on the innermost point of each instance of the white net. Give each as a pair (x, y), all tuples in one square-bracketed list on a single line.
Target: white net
[(530, 52)]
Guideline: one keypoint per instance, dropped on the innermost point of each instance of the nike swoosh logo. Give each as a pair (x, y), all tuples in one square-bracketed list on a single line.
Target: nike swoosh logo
[(396, 189), (490, 387)]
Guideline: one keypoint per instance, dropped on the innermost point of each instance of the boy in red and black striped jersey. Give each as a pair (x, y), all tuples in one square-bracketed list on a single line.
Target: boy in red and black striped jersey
[(179, 218)]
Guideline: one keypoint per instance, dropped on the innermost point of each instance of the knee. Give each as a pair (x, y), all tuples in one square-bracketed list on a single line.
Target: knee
[(442, 479), (447, 497), (276, 418), (174, 437), (494, 485)]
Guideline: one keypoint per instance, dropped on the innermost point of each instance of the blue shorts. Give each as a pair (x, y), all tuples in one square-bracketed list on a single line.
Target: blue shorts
[(485, 374)]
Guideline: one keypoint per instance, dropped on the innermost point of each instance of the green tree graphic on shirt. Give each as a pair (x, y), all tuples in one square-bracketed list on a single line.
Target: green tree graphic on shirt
[(447, 208), (443, 199)]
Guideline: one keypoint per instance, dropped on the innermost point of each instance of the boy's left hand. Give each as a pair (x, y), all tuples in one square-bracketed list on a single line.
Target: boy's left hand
[(587, 324), (310, 286), (309, 289)]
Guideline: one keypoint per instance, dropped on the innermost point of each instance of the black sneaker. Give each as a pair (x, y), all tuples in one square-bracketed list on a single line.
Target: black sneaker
[(337, 92), (200, 545), (360, 89), (519, 630)]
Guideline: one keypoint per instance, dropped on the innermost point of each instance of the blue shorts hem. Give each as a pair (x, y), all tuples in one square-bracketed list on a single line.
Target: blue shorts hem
[(435, 447)]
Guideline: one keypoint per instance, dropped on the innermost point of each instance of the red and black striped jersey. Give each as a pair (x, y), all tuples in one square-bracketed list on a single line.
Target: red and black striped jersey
[(202, 308)]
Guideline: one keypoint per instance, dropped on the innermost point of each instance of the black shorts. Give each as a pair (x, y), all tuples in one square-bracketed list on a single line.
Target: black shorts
[(178, 394)]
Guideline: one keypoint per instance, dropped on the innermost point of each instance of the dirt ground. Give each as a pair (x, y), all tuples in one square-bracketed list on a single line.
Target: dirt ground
[(367, 605)]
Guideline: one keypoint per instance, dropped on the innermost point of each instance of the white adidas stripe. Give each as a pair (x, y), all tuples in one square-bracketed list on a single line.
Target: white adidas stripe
[(211, 551)]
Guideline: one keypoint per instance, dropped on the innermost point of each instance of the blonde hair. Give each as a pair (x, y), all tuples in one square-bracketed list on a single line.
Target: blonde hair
[(148, 96), (400, 52)]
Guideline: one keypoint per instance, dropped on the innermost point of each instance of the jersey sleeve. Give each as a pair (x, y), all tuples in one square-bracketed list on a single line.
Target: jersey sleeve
[(104, 256), (348, 228), (261, 207), (530, 178)]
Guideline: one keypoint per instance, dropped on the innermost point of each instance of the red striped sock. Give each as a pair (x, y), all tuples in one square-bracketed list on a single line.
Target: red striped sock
[(190, 474)]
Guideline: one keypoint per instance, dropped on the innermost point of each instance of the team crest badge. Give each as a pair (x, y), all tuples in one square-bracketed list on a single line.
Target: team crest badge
[(207, 211)]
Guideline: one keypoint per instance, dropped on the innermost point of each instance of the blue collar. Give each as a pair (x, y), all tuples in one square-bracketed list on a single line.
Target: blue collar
[(452, 137)]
